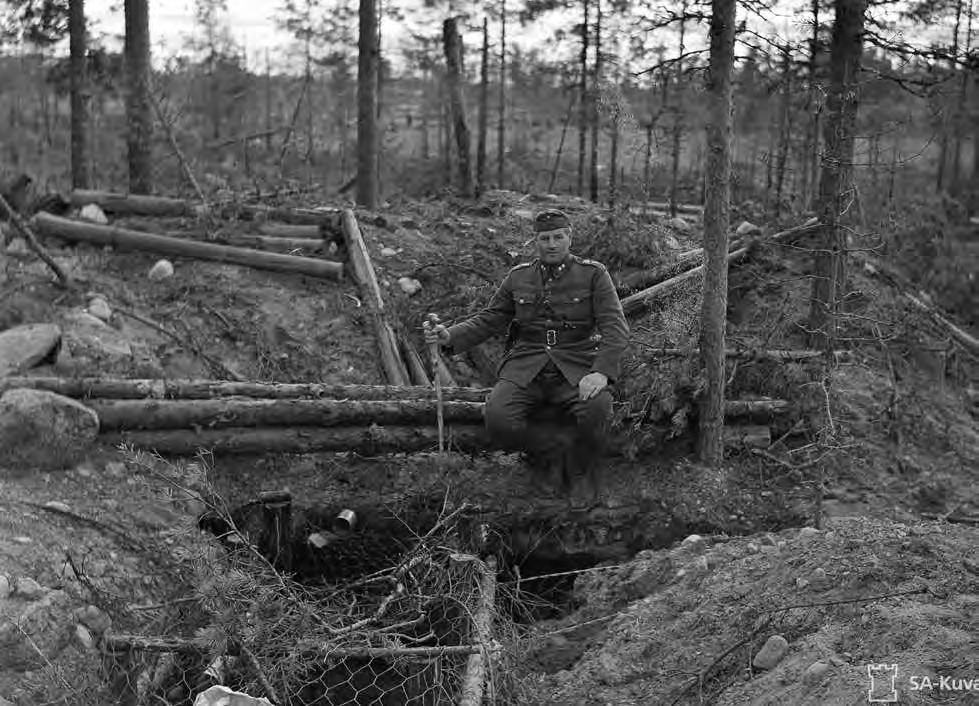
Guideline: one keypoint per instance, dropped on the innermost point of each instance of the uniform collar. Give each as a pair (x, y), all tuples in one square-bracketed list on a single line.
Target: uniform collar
[(549, 273)]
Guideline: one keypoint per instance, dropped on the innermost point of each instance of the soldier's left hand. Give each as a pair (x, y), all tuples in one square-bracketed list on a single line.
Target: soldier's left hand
[(591, 385)]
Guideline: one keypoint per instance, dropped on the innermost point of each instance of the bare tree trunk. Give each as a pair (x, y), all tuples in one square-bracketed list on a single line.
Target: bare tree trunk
[(452, 44), (713, 313), (614, 158), (647, 163), (785, 127), (583, 115), (367, 106), (960, 109), (948, 120), (426, 105), (501, 111), (809, 160), (836, 176), (678, 116), (268, 102), (594, 114), (560, 145), (80, 168), (138, 108), (483, 112)]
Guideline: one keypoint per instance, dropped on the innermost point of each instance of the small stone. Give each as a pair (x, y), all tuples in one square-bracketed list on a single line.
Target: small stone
[(801, 583), (807, 534), (819, 576), (409, 285), (92, 212), (693, 541), (747, 228), (99, 308), (773, 651), (388, 252), (752, 548), (161, 270), (21, 539), (4, 587), (815, 672), (85, 470), (84, 638), (56, 506), (94, 619), (28, 588)]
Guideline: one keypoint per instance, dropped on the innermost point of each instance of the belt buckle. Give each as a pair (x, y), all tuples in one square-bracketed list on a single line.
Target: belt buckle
[(550, 337)]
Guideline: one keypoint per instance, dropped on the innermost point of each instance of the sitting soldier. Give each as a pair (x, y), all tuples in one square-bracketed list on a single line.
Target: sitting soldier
[(566, 335)]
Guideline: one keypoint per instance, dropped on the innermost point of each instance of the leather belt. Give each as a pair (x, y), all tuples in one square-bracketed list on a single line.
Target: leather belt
[(554, 336)]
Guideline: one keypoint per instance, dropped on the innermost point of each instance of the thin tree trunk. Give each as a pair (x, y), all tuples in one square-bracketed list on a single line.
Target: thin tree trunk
[(809, 159), (836, 177), (948, 120), (452, 45), (713, 313), (268, 102), (678, 116), (560, 145), (501, 107), (367, 106), (595, 117), (960, 109), (647, 164), (613, 159), (785, 128), (138, 109), (426, 106), (583, 115), (80, 169), (483, 112)]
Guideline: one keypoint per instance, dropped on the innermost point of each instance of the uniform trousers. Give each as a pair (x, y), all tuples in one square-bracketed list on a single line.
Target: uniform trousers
[(509, 407)]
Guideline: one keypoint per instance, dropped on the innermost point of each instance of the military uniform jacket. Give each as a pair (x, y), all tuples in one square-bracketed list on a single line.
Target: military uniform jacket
[(574, 319)]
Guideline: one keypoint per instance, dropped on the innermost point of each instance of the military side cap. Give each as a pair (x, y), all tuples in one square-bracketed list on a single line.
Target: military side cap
[(551, 219)]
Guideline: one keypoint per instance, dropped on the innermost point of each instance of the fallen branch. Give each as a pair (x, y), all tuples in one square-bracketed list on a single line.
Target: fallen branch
[(363, 269), (209, 359), (67, 229), (780, 356), (134, 204), (7, 211), (474, 679)]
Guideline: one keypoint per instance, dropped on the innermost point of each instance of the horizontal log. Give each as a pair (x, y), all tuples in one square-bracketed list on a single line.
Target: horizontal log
[(269, 243), (368, 441), (363, 440), (120, 415), (328, 219), (135, 204), (779, 356), (125, 388), (67, 229), (284, 230)]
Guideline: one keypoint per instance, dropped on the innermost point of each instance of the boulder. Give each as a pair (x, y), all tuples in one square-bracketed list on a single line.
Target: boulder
[(43, 430), (23, 347), (39, 634), (90, 346), (747, 228)]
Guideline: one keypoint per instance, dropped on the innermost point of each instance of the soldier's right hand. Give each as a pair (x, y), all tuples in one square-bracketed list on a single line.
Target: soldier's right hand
[(435, 333)]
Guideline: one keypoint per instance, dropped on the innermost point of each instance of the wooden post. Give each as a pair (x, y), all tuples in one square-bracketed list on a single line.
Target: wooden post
[(360, 261)]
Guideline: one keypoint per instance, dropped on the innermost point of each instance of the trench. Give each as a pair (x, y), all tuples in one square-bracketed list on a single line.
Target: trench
[(538, 552)]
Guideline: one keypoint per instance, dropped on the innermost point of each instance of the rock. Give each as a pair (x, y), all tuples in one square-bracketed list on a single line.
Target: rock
[(84, 638), (93, 618), (807, 534), (223, 696), (388, 252), (694, 542), (819, 579), (99, 308), (747, 228), (56, 506), (815, 672), (28, 589), (161, 270), (89, 344), (43, 430), (774, 650), (18, 246), (37, 636), (23, 347), (4, 587), (92, 212), (409, 285), (679, 224)]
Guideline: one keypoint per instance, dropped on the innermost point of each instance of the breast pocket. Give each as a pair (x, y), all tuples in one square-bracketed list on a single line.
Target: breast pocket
[(525, 303), (575, 305)]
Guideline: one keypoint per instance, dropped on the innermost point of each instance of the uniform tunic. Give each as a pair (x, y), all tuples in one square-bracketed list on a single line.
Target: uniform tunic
[(569, 315)]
